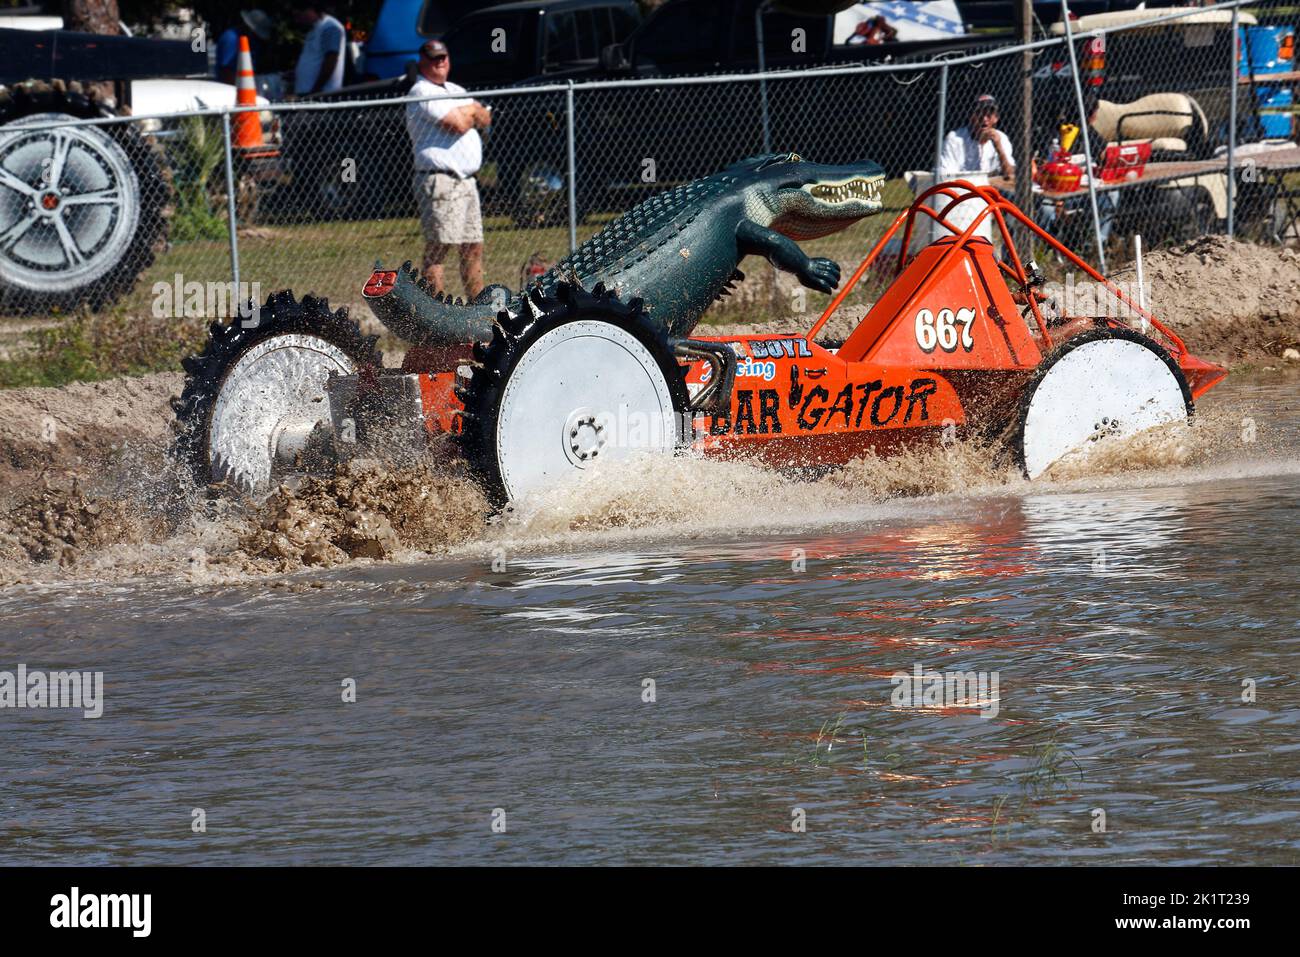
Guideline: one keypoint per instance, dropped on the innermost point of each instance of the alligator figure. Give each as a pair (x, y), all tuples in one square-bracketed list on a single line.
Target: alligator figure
[(677, 251)]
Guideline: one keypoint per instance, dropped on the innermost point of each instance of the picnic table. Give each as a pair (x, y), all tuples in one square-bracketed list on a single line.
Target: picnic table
[(1269, 165)]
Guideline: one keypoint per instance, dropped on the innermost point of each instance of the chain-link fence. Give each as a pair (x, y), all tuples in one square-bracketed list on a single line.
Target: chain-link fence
[(164, 213)]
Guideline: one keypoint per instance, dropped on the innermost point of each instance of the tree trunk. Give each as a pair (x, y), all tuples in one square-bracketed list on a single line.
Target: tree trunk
[(97, 16), (91, 16)]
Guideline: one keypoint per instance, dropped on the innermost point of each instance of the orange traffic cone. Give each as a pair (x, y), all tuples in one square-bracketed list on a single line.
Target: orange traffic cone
[(248, 126)]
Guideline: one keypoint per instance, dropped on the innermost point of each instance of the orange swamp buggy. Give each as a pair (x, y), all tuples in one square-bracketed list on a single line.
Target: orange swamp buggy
[(562, 379)]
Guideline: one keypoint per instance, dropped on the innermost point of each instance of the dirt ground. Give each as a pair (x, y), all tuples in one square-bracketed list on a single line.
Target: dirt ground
[(1234, 303)]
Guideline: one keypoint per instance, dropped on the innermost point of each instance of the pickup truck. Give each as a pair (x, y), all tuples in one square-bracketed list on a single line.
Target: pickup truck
[(694, 130), (545, 41)]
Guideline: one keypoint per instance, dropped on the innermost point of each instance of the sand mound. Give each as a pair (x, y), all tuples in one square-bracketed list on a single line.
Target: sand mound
[(86, 427), (1230, 301)]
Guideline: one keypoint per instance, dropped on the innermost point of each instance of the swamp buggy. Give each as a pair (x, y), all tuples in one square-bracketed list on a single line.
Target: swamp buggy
[(543, 386)]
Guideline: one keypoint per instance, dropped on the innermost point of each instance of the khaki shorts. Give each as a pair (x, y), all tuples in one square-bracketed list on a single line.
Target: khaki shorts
[(449, 208)]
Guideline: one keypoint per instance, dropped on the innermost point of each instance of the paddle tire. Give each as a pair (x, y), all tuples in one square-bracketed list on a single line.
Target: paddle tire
[(253, 391), (585, 380), (83, 210), (1102, 385)]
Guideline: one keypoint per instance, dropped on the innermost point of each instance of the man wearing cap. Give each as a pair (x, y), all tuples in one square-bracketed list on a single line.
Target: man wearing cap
[(448, 153), (979, 147)]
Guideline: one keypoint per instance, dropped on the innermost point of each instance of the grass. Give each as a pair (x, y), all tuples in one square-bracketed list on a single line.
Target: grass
[(86, 347)]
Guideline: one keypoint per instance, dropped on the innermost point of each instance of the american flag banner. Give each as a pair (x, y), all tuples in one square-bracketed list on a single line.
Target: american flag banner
[(913, 21)]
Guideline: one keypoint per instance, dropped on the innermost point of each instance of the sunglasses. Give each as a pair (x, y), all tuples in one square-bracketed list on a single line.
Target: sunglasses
[(435, 59)]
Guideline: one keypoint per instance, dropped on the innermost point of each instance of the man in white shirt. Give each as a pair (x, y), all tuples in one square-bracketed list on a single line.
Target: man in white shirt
[(448, 154), (979, 147), (320, 65)]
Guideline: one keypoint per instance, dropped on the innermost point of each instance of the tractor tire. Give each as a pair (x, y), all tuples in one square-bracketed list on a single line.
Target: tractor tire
[(83, 210)]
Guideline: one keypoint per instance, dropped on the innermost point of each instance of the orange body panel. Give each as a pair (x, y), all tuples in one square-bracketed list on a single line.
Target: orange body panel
[(950, 309), (799, 404)]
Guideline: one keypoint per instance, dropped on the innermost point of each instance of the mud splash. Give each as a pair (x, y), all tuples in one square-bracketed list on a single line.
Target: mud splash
[(59, 522), (364, 511), (371, 512)]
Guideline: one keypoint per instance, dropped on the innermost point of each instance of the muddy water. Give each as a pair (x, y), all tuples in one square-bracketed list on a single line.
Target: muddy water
[(1120, 612)]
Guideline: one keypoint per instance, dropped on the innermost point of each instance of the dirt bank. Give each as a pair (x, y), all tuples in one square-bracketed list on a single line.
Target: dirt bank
[(1232, 302), (87, 428)]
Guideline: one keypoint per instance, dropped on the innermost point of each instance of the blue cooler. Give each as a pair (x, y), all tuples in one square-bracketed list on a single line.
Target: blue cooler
[(1263, 49), (1275, 111)]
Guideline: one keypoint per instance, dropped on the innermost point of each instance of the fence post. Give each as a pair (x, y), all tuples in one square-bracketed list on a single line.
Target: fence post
[(573, 170), (762, 74), (943, 119), (230, 201), (1087, 144), (1232, 127)]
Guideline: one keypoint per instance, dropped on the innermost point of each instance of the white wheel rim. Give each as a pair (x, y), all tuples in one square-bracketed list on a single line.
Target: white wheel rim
[(69, 204), (582, 395), (275, 388), (1100, 391)]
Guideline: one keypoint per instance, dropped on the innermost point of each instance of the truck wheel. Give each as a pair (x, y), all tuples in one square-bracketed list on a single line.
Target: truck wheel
[(82, 209)]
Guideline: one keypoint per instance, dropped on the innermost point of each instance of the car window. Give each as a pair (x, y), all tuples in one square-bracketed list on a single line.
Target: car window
[(623, 22), (588, 42), (777, 34), (680, 32), (470, 41), (561, 40)]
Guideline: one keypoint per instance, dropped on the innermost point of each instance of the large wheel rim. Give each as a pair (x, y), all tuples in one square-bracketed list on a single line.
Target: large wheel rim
[(268, 403), (583, 394), (69, 204), (1099, 391)]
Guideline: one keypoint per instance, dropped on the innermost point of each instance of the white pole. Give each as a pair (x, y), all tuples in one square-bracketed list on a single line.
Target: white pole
[(1142, 284)]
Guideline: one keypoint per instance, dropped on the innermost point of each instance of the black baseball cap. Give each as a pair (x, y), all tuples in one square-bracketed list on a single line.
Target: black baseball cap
[(434, 48), (985, 103)]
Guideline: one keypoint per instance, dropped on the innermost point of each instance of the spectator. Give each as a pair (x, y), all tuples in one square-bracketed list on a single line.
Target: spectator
[(255, 23), (320, 65), (448, 153), (979, 147)]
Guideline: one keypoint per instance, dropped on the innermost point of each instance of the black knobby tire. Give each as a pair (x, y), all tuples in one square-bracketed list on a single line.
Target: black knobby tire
[(206, 372), (494, 362), (1015, 435), (132, 255)]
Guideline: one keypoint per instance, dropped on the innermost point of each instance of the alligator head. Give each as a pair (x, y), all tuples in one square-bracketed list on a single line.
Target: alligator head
[(808, 200)]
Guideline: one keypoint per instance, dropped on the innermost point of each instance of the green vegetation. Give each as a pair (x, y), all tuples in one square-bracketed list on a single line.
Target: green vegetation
[(195, 155), (85, 347)]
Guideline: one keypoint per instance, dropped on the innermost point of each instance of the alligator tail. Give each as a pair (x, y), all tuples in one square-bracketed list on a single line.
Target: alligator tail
[(420, 317)]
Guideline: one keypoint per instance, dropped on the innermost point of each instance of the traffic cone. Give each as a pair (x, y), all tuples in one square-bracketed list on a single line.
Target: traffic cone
[(248, 126)]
